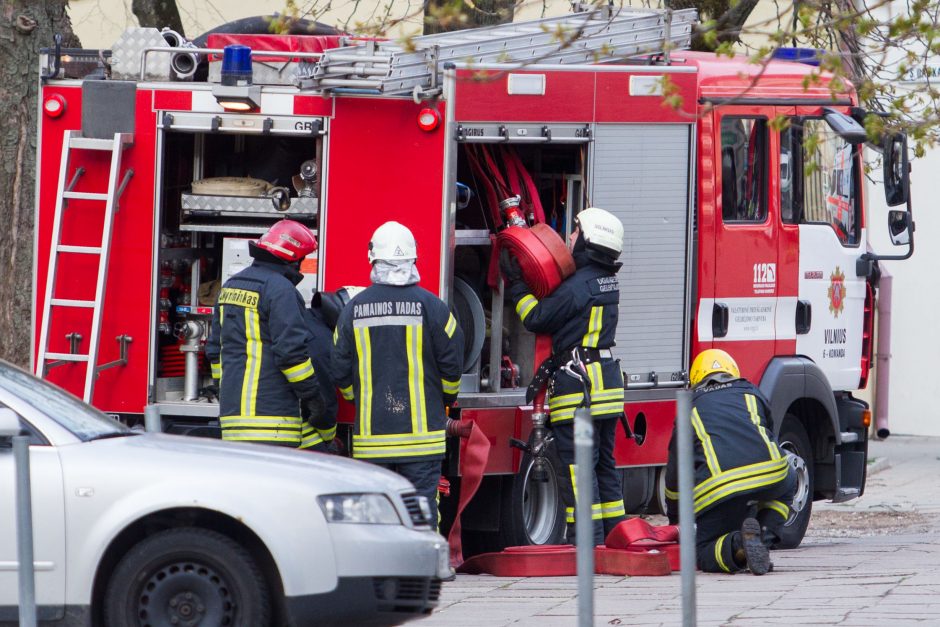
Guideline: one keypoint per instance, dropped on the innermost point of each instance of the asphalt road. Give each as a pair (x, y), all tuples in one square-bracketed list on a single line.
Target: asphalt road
[(873, 561)]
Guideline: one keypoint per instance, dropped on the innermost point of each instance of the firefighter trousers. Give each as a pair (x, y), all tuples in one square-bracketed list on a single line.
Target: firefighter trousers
[(607, 505), (425, 475), (717, 530)]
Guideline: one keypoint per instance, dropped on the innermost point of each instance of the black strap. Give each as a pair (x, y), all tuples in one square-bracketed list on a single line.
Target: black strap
[(544, 372)]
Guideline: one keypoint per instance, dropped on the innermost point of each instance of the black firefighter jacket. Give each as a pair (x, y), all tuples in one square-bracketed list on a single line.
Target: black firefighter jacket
[(258, 349), (399, 354), (582, 311), (735, 450)]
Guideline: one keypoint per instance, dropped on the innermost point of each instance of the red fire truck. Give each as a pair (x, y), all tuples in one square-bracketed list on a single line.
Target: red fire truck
[(157, 164)]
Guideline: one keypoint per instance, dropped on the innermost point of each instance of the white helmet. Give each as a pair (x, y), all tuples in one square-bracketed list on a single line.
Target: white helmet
[(392, 242), (601, 229)]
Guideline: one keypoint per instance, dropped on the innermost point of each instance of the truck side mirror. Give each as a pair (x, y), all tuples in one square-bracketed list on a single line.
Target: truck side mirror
[(845, 127), (899, 222), (897, 175)]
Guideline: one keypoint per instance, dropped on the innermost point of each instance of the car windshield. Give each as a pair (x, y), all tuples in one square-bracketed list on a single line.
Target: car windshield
[(83, 420)]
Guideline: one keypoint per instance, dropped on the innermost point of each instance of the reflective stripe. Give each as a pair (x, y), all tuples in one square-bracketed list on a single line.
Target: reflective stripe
[(252, 362), (347, 392), (595, 322), (335, 335), (216, 370), (414, 338), (751, 401), (372, 448), (718, 558), (525, 306), (613, 509), (388, 321), (364, 351), (672, 496), (739, 474), (707, 447), (450, 387), (262, 422), (451, 326), (597, 512), (738, 486), (311, 437), (777, 506), (601, 409), (399, 438), (249, 435), (299, 372)]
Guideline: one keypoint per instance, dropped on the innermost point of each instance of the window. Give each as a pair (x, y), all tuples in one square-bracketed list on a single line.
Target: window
[(819, 179), (743, 169)]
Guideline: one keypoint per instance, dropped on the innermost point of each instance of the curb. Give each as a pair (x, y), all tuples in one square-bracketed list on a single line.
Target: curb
[(877, 464)]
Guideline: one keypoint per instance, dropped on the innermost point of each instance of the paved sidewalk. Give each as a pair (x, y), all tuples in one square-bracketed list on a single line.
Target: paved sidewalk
[(873, 561)]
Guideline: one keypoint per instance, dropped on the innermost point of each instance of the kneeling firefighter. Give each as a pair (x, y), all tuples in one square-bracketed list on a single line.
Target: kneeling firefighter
[(399, 354), (258, 346), (738, 467), (581, 316)]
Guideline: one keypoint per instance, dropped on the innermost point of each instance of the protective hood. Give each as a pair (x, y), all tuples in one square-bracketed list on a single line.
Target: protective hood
[(291, 270), (584, 255), (399, 272)]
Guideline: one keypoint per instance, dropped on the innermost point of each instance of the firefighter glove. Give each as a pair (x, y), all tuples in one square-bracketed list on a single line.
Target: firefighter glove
[(313, 410), (459, 428), (509, 266)]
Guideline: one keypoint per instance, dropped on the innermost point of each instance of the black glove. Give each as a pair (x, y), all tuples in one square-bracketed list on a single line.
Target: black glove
[(509, 266), (312, 409)]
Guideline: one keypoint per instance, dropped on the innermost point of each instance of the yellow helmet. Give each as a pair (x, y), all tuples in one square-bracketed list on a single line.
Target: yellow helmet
[(712, 361)]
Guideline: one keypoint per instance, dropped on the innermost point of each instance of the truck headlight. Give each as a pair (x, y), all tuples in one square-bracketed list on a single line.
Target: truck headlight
[(375, 509)]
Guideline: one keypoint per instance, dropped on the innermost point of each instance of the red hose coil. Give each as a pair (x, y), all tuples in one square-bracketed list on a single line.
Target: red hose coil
[(543, 257)]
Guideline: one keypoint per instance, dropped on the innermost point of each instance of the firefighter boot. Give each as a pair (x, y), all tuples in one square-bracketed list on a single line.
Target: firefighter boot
[(749, 551)]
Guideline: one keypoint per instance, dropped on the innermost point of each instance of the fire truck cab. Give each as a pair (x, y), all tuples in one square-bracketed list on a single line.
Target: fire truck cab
[(722, 171)]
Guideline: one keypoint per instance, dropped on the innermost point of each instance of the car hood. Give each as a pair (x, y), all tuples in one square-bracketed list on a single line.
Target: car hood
[(189, 454)]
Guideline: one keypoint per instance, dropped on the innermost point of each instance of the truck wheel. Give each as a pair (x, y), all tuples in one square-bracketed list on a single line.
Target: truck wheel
[(658, 506), (793, 439), (532, 511), (187, 576)]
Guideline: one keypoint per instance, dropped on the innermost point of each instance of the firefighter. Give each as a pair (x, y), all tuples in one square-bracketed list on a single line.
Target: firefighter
[(321, 317), (738, 468), (581, 315), (399, 354), (258, 346)]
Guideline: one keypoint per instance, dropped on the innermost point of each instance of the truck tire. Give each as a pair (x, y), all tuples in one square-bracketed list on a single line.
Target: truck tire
[(793, 439), (532, 511), (187, 576)]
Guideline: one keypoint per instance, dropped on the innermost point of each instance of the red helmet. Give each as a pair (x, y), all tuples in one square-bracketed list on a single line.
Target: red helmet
[(289, 240)]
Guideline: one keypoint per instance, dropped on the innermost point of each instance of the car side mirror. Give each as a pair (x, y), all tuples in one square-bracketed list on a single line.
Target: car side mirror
[(899, 222), (897, 173), (9, 425)]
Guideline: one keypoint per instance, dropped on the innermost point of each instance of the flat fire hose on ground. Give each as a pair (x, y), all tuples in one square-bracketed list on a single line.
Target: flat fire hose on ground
[(473, 457)]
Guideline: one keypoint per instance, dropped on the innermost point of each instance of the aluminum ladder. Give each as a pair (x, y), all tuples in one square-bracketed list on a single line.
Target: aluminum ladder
[(595, 36), (116, 184)]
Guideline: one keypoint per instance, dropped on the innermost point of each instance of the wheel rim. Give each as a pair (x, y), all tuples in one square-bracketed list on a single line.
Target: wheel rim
[(802, 478), (186, 594), (540, 503)]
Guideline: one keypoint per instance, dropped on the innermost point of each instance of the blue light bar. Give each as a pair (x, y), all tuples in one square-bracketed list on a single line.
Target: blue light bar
[(809, 56), (236, 65)]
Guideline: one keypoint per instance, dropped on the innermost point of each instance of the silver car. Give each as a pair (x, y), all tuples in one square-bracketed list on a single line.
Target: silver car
[(152, 529)]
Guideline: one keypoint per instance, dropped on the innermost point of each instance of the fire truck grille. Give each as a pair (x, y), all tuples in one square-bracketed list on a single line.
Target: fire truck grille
[(418, 519), (408, 595)]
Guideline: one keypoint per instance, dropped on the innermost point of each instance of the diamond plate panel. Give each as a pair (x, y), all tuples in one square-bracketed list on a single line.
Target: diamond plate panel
[(245, 206), (125, 55)]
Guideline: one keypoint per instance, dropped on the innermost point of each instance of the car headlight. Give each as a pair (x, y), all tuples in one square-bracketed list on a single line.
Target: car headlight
[(375, 509)]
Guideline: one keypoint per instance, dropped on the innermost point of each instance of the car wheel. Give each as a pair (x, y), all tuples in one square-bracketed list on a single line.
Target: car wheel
[(793, 439), (186, 576), (532, 511)]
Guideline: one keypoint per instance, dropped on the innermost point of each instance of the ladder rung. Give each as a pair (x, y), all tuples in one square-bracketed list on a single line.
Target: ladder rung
[(65, 357), (93, 143), (88, 250), (85, 195), (71, 302), (89, 143)]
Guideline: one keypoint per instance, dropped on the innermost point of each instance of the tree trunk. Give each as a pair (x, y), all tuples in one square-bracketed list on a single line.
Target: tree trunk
[(158, 14), (25, 27)]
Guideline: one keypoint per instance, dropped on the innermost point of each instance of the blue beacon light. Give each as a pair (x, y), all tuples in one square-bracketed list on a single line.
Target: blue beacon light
[(236, 65)]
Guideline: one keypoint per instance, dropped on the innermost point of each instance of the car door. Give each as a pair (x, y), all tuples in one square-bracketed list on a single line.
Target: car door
[(48, 503)]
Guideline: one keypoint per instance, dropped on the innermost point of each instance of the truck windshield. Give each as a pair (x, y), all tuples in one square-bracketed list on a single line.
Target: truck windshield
[(84, 421)]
